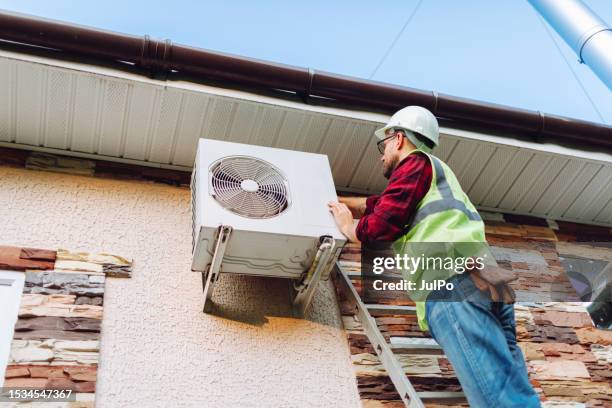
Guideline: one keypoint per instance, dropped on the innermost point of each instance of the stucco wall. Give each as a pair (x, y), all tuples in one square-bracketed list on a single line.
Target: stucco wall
[(158, 349)]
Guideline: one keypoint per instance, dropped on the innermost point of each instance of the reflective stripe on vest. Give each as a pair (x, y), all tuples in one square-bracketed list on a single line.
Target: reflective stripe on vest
[(447, 202), (453, 220)]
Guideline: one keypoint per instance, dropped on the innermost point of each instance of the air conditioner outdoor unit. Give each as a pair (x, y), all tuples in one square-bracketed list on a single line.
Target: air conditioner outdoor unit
[(263, 211)]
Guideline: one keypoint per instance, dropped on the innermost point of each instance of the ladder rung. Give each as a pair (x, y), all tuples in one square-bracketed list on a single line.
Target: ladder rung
[(391, 309), (442, 396), (417, 349)]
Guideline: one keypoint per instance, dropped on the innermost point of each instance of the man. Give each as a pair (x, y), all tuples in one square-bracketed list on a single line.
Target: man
[(424, 204)]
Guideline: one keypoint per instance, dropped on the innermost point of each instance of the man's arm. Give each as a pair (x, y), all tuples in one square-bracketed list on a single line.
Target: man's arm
[(357, 205), (386, 215)]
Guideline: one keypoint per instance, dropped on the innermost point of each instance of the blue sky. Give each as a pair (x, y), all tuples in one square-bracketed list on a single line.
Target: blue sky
[(495, 51)]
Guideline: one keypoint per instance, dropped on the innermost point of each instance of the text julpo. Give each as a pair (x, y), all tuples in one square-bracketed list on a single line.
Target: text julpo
[(423, 264)]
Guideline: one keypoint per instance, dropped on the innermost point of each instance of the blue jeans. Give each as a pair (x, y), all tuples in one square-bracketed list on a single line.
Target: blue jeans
[(479, 338)]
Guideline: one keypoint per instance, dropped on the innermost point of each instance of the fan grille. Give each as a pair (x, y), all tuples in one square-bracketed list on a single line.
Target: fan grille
[(249, 187)]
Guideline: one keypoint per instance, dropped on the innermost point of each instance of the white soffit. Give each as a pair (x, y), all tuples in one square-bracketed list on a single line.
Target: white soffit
[(92, 111)]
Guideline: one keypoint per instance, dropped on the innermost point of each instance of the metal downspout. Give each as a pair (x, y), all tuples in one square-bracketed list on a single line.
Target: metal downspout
[(587, 34)]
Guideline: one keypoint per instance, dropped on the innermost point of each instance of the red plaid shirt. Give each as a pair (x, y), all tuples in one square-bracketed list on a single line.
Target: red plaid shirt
[(387, 214)]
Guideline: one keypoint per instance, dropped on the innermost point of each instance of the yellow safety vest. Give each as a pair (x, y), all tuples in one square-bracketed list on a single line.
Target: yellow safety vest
[(445, 216)]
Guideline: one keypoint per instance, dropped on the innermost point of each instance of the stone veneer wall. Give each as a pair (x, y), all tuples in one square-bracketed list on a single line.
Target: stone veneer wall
[(569, 360), (57, 335)]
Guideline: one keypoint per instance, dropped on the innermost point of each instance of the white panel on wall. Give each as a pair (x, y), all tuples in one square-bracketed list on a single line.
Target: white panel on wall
[(267, 126), (245, 118), (290, 130), (367, 175), (368, 153), (605, 216), (139, 120), (165, 131), (510, 173), (335, 143), (30, 100), (445, 147), (188, 132), (524, 184), (542, 180), (555, 189), (218, 119), (7, 99), (600, 201), (348, 155), (474, 166), (313, 133), (575, 185), (112, 130), (460, 158), (85, 115), (59, 106), (585, 204), (490, 174)]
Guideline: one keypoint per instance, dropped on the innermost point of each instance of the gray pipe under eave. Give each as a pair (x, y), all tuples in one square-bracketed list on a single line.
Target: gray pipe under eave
[(164, 58), (587, 34)]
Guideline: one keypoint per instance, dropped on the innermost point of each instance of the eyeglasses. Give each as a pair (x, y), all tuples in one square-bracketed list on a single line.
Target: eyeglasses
[(381, 143)]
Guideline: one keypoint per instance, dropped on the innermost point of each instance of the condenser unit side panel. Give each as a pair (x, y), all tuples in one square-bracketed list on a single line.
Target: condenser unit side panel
[(197, 191), (316, 189)]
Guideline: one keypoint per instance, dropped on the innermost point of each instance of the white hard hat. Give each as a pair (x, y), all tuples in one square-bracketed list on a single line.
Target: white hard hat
[(414, 119)]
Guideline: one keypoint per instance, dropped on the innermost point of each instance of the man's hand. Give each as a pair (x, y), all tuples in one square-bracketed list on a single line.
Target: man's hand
[(495, 280), (344, 219)]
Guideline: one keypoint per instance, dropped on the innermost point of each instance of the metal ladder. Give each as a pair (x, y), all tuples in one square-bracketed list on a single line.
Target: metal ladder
[(386, 352)]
